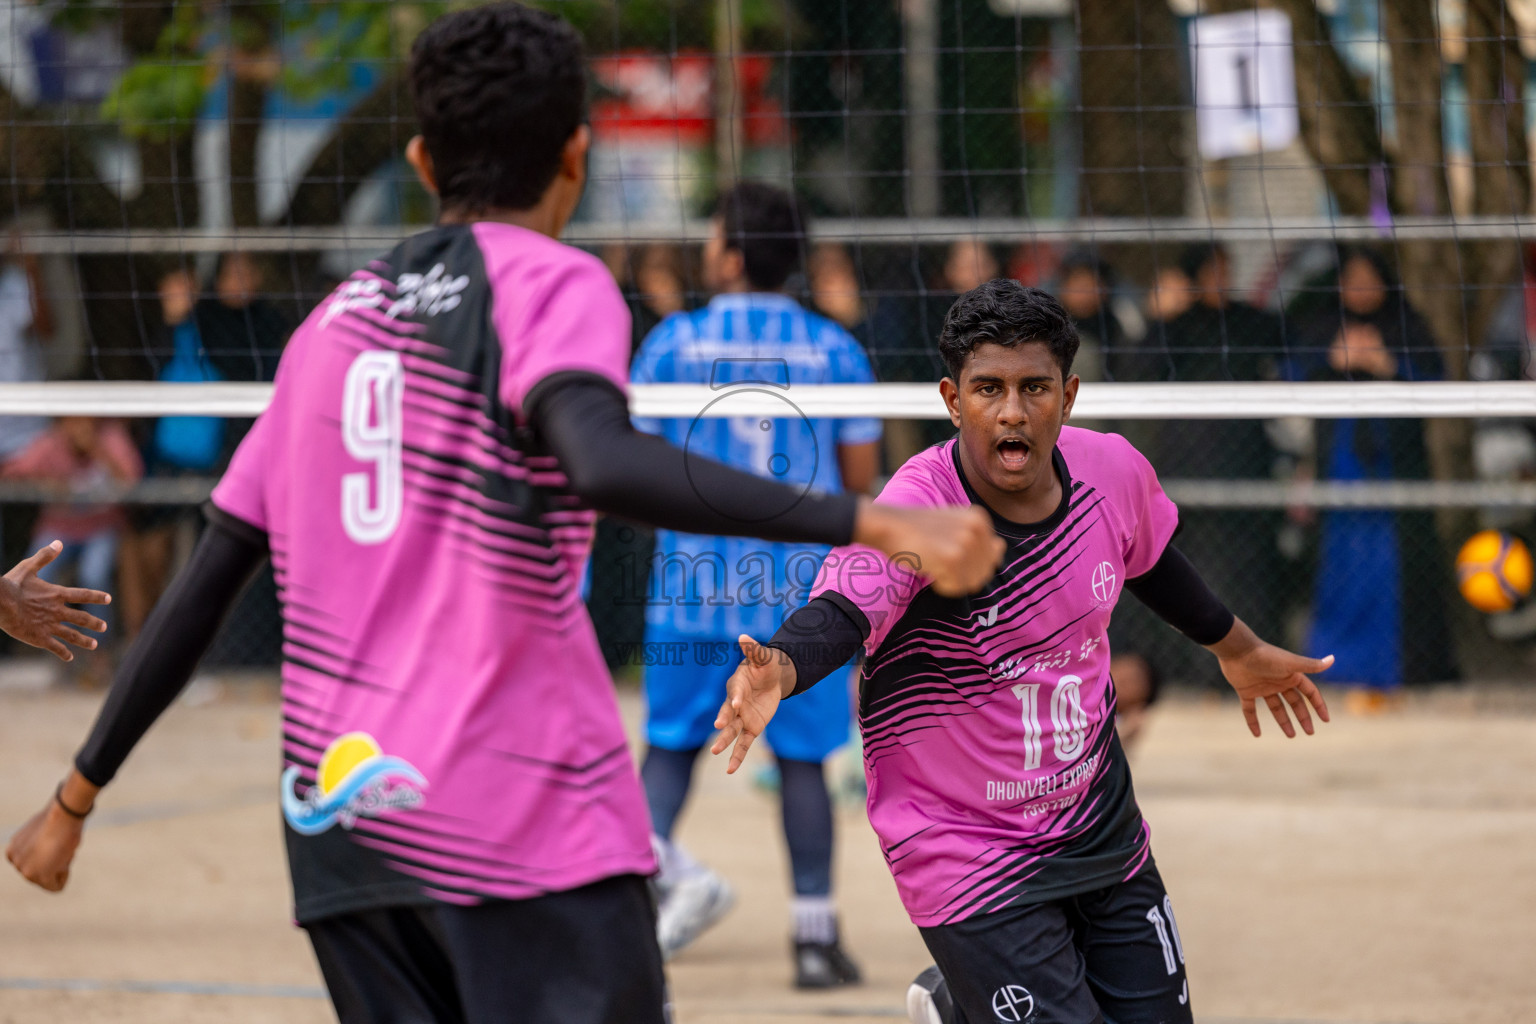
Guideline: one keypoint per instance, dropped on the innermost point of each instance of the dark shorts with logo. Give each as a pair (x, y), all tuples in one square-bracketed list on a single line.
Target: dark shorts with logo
[(587, 956), (1111, 956)]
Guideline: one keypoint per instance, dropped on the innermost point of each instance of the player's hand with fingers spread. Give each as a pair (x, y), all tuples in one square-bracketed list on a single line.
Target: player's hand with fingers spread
[(752, 694), (1261, 671), (43, 848), (955, 547), (37, 612)]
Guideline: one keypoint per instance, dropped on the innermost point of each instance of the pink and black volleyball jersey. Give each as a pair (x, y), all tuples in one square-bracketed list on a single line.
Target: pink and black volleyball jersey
[(995, 775), (449, 727)]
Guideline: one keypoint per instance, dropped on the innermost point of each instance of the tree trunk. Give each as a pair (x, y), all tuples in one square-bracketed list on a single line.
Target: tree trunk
[(1432, 273), (1501, 171), (1134, 152)]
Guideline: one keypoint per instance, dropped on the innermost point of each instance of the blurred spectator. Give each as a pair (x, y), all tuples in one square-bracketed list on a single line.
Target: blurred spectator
[(242, 331), (179, 446), (1085, 285), (87, 460), (1381, 577), (1172, 293), (835, 291), (1137, 686), (26, 321), (1034, 264), (904, 340), (659, 285), (620, 566), (906, 328), (1198, 331)]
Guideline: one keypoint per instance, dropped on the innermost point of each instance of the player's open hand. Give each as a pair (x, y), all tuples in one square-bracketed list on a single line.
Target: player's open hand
[(955, 547), (1261, 671), (752, 695), (43, 848), (39, 613)]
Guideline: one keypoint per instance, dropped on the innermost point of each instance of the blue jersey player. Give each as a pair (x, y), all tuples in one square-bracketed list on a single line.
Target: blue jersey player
[(751, 341)]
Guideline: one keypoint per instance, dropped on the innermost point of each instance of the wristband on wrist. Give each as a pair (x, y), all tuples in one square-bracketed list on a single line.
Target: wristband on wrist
[(58, 798)]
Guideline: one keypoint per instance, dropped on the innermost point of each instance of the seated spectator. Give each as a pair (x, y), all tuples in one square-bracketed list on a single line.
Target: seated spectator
[(1381, 576), (88, 460)]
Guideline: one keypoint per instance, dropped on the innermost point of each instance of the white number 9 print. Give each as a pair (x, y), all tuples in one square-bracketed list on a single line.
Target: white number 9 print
[(371, 412)]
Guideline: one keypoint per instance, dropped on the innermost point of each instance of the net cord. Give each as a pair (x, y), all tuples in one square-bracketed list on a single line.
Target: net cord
[(865, 231)]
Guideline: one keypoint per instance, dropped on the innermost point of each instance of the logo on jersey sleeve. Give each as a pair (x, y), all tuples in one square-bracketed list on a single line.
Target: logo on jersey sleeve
[(355, 779)]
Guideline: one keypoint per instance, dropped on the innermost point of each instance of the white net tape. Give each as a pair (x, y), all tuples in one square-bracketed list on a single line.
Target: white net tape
[(1099, 401)]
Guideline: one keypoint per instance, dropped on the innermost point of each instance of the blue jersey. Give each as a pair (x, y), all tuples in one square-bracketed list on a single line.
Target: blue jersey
[(719, 587)]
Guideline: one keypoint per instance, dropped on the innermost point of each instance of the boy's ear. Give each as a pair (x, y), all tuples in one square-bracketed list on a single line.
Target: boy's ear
[(1069, 396), (421, 162), (951, 394)]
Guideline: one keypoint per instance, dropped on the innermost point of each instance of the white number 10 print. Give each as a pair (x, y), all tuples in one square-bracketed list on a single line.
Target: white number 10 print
[(371, 407), (1069, 722)]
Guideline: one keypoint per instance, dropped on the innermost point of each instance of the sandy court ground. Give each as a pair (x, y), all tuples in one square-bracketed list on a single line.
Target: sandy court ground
[(1378, 873)]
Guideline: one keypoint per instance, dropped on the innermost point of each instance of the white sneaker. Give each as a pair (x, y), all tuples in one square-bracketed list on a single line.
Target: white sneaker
[(690, 907), (928, 999)]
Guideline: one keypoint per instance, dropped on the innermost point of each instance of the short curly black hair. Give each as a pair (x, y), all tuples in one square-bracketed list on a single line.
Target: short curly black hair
[(767, 226), (1004, 312), (499, 90)]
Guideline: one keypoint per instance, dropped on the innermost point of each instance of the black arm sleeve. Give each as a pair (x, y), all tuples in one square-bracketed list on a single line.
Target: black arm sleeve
[(179, 630), (1175, 590), (820, 638), (584, 421)]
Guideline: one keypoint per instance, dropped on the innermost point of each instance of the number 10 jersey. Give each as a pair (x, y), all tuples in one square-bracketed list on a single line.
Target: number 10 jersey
[(995, 775)]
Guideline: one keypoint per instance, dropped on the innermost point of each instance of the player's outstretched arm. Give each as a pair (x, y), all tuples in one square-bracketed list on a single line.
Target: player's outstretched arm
[(154, 671), (38, 613), (752, 694), (1261, 671), (1174, 589), (584, 420), (813, 642)]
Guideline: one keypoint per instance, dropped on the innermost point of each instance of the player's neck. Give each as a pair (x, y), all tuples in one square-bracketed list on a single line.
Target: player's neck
[(546, 218), (1033, 505)]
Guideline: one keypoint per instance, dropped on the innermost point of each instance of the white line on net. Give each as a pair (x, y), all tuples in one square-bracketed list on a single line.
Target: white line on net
[(1384, 399)]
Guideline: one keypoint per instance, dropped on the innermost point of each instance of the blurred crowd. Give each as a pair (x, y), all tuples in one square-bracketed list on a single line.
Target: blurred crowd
[(1369, 586), (83, 470)]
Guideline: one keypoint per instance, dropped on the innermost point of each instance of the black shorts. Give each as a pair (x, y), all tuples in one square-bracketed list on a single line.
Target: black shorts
[(587, 956), (1112, 955)]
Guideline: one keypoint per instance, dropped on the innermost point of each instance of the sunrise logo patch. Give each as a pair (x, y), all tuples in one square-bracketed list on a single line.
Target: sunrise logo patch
[(355, 779)]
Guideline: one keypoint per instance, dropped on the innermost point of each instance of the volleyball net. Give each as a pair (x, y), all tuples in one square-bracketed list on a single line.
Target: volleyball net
[(1247, 208)]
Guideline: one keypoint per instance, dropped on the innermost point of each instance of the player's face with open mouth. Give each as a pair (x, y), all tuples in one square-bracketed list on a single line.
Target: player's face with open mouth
[(1010, 404)]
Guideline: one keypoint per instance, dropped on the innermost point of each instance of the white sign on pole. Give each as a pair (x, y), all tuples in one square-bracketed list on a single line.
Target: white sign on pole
[(1245, 83)]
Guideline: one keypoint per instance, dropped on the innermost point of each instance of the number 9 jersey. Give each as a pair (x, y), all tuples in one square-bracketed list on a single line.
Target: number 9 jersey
[(449, 728), (995, 774)]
